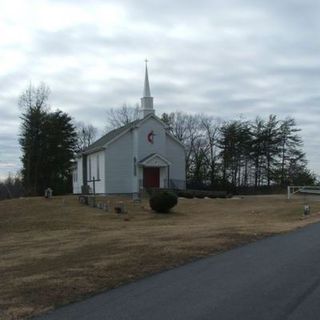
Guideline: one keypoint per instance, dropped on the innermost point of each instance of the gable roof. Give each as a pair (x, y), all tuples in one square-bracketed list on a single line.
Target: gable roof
[(99, 144), (151, 156)]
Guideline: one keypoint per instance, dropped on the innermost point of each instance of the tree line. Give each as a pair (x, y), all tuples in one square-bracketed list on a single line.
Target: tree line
[(239, 154), (11, 187)]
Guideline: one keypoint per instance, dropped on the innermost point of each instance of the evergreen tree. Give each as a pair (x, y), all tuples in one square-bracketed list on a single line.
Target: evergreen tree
[(270, 146), (257, 132), (48, 141), (291, 154), (234, 143), (59, 144), (33, 103)]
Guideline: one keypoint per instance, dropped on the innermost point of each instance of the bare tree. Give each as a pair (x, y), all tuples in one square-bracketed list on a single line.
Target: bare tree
[(35, 98), (187, 129), (33, 103), (86, 134), (11, 187), (177, 124), (118, 117), (211, 127)]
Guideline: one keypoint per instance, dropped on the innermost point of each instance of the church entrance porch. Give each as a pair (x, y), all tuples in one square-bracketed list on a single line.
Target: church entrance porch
[(151, 177), (153, 171)]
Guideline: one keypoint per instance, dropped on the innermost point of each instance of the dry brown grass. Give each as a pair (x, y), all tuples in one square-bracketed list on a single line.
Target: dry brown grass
[(56, 251)]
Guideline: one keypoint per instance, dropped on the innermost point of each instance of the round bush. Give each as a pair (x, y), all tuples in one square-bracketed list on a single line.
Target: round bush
[(163, 201), (200, 195), (185, 194)]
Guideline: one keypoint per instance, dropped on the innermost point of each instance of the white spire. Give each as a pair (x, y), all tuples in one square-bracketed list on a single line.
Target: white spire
[(146, 100), (146, 88)]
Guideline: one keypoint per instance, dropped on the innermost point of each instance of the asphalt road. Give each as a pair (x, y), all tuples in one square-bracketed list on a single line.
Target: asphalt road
[(275, 278)]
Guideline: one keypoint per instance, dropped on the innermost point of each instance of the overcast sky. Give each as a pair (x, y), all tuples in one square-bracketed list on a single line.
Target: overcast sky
[(224, 58)]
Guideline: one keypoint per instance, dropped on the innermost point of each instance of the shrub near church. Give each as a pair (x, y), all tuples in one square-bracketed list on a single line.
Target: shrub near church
[(163, 201)]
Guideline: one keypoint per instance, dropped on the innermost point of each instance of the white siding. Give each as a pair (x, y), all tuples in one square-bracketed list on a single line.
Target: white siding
[(163, 176), (146, 148), (78, 182), (116, 162), (119, 165), (165, 146), (93, 160)]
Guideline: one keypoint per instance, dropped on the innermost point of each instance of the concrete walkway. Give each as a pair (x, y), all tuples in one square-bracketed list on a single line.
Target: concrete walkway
[(275, 278)]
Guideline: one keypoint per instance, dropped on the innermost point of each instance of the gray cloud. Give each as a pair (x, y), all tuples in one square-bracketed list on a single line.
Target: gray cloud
[(223, 58)]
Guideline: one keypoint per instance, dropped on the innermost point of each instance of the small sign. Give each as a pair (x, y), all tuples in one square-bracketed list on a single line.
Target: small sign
[(48, 193), (306, 209)]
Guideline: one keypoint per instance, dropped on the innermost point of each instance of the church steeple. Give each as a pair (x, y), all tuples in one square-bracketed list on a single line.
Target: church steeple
[(146, 100), (146, 88)]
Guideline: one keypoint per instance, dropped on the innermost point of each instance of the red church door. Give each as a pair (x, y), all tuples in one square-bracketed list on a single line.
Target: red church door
[(151, 177)]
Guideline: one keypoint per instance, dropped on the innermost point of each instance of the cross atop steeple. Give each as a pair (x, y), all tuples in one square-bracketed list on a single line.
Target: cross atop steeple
[(146, 100)]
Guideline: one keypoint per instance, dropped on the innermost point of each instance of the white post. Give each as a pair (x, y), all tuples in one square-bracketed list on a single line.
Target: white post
[(288, 192)]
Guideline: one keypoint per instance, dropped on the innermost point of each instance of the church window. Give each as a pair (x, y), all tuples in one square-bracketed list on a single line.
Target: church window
[(75, 176), (89, 168), (98, 167), (134, 166)]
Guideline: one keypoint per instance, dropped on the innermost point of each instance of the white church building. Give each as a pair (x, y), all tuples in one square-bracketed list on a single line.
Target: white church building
[(139, 155)]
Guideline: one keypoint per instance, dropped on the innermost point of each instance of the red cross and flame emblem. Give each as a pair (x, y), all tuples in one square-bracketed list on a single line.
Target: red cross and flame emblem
[(150, 136)]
